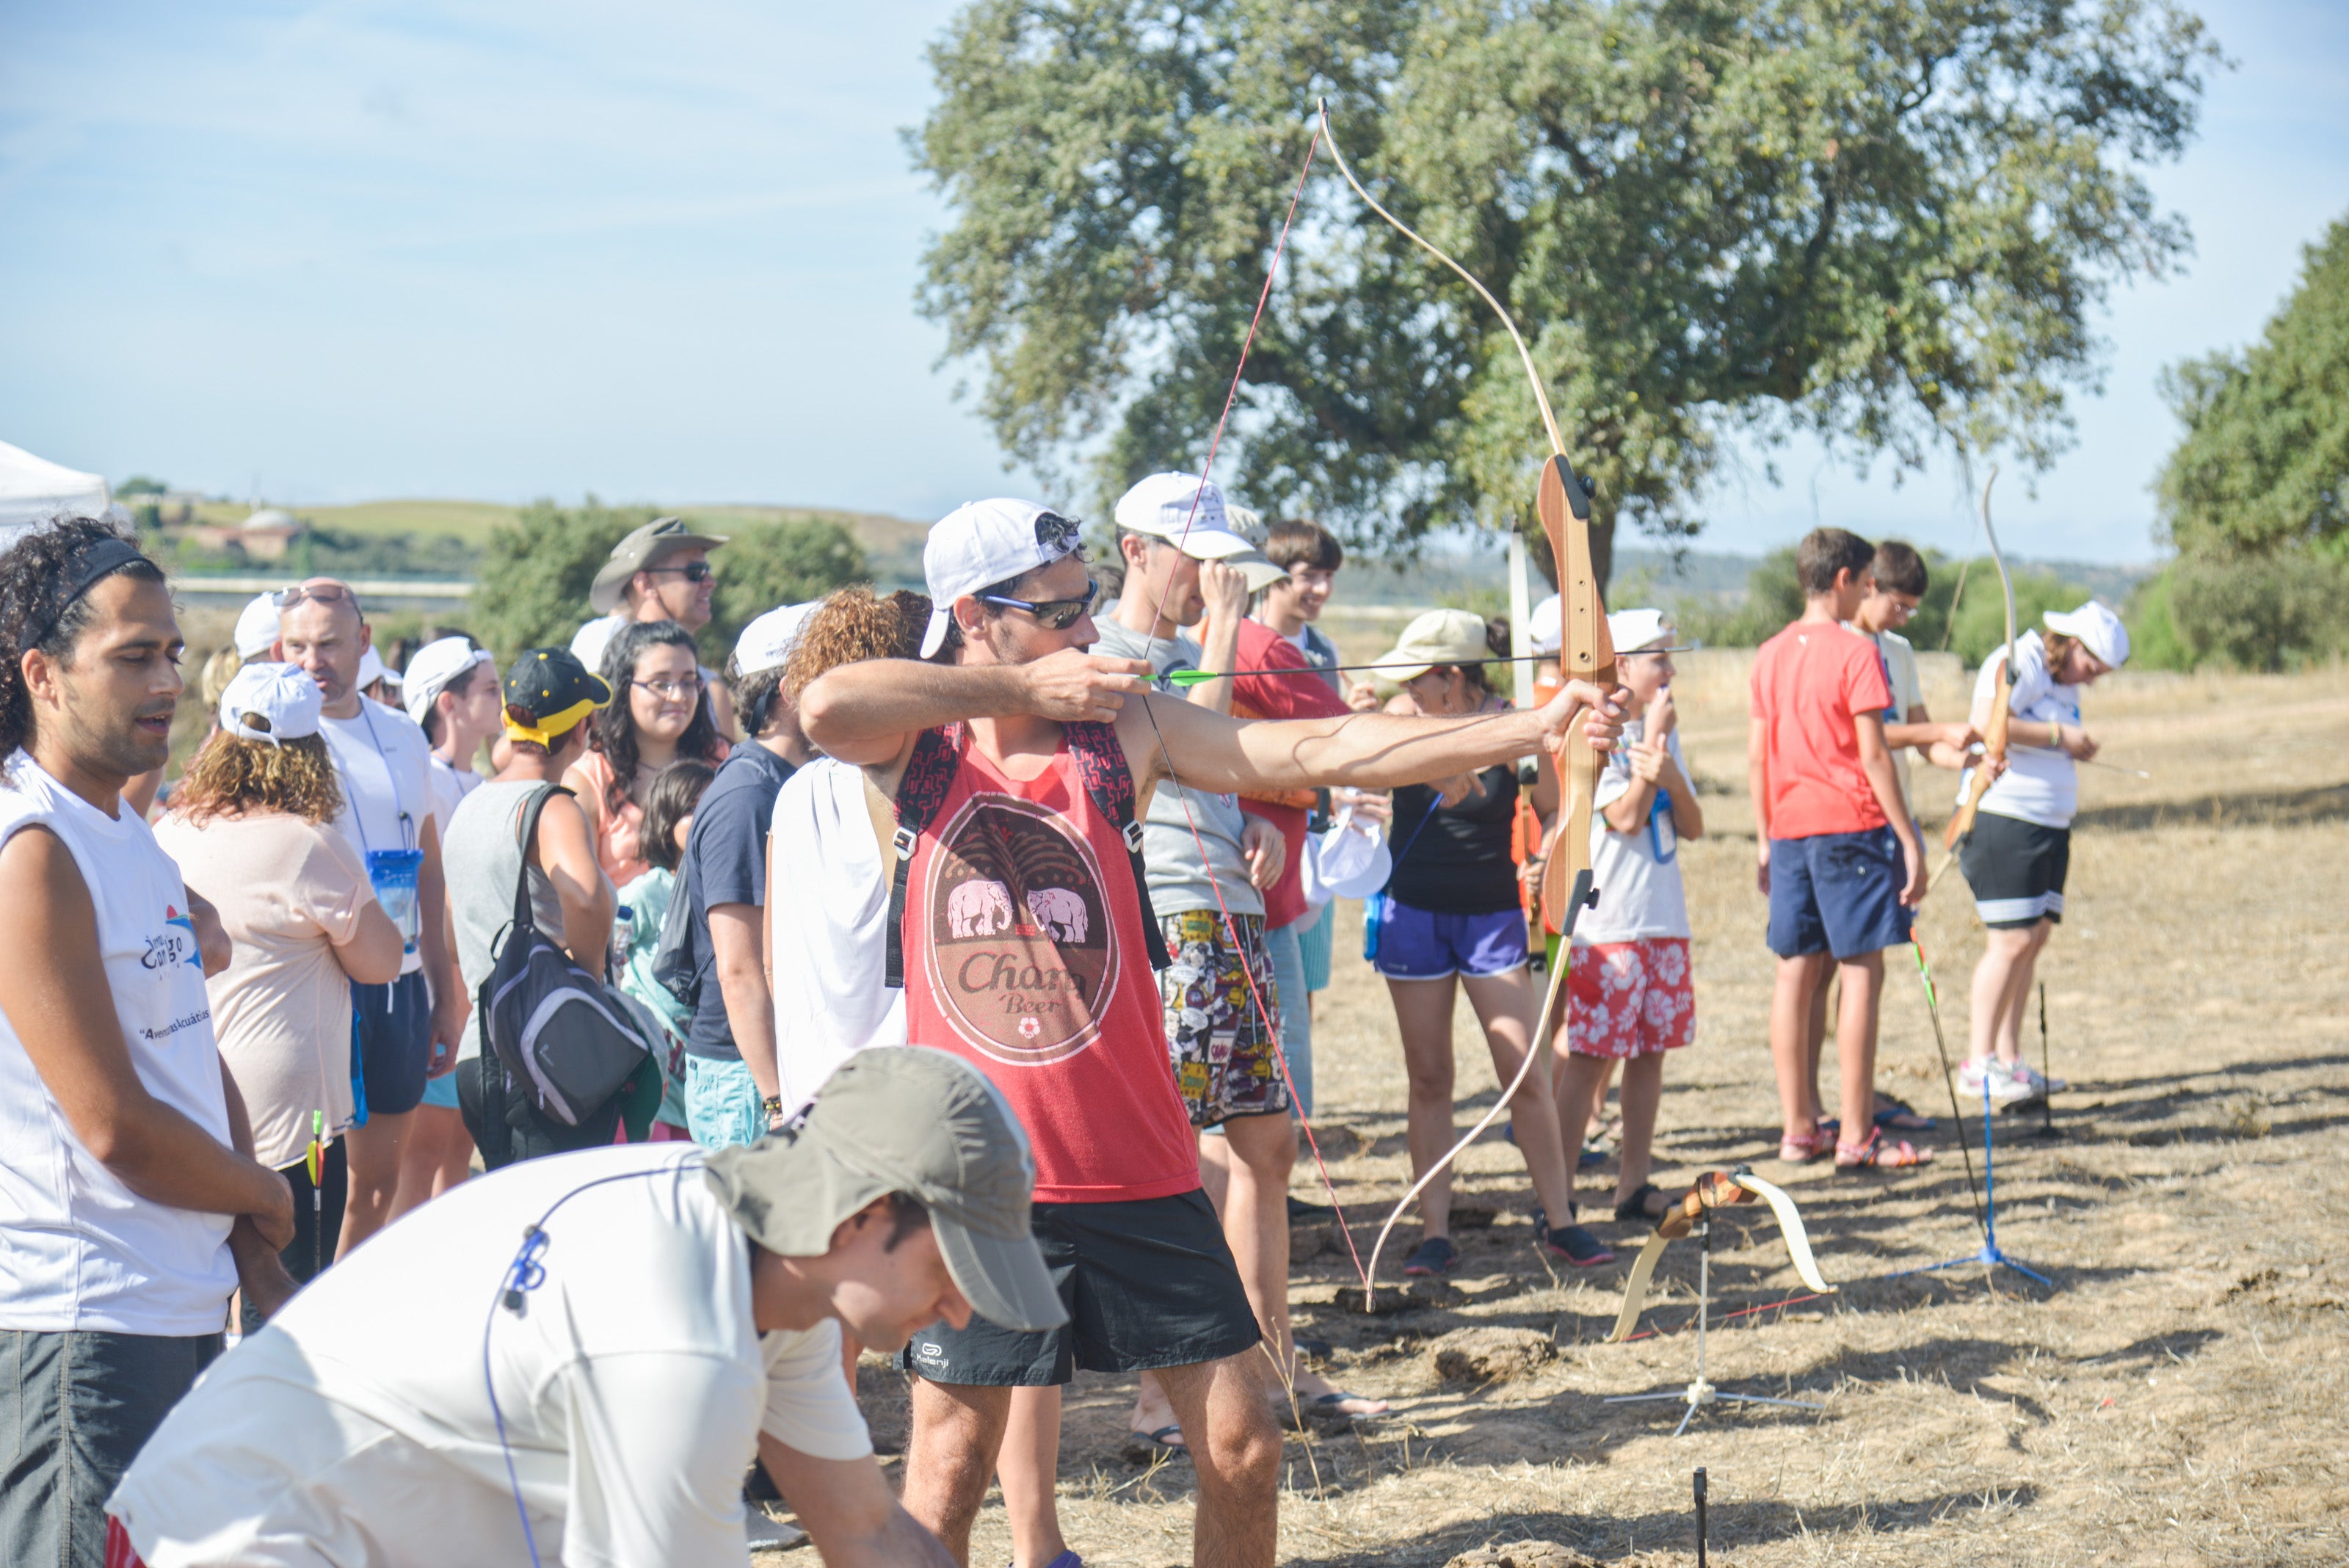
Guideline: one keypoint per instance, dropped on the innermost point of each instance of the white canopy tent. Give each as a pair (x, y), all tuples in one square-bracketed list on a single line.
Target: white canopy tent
[(34, 490)]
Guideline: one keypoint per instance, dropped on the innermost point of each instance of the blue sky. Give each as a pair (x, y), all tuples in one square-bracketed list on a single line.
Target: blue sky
[(495, 250)]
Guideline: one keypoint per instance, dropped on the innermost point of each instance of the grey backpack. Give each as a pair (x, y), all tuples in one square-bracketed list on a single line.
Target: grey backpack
[(565, 1048)]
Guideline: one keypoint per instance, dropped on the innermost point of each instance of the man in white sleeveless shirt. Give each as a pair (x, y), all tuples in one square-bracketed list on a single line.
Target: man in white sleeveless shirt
[(129, 1204)]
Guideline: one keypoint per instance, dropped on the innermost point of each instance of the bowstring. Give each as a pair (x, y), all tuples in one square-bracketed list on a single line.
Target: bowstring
[(1158, 613)]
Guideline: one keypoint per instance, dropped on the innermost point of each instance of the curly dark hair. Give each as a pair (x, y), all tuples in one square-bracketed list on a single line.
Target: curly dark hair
[(35, 575), (233, 775), (855, 624), (613, 730), (677, 790)]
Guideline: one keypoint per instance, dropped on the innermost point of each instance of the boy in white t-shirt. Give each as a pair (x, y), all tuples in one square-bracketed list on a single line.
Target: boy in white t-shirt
[(1630, 995)]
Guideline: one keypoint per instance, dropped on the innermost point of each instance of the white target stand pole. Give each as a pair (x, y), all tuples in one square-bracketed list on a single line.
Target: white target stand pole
[(1700, 1393)]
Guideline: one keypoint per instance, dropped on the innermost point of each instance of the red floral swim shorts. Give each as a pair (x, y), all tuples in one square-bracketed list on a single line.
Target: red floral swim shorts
[(1630, 999)]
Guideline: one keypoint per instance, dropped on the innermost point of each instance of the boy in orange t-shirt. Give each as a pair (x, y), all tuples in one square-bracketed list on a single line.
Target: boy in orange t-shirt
[(1841, 862)]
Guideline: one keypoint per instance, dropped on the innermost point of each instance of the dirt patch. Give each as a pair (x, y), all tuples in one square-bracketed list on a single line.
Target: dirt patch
[(1489, 1354)]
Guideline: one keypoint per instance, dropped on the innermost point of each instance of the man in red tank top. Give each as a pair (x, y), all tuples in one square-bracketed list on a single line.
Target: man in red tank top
[(1026, 954)]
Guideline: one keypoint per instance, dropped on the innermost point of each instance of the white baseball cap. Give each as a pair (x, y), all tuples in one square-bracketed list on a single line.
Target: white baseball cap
[(1187, 512), (436, 667), (1631, 630), (372, 669), (257, 628), (982, 543), (2100, 631), (1542, 627), (588, 643), (767, 642), (270, 702)]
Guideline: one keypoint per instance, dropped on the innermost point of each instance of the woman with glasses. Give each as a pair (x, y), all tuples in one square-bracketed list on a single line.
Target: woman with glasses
[(660, 715)]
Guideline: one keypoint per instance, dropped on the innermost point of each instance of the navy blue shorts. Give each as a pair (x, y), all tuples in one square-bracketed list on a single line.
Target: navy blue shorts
[(1838, 893), (1409, 943), (392, 1037)]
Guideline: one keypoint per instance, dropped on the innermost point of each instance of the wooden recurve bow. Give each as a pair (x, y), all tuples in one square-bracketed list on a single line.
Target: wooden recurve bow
[(1962, 825)]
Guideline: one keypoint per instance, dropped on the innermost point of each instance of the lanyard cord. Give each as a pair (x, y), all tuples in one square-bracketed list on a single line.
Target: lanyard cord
[(391, 776)]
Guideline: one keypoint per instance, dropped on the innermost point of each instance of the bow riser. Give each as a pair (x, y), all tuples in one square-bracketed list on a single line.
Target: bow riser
[(1586, 653), (1995, 733)]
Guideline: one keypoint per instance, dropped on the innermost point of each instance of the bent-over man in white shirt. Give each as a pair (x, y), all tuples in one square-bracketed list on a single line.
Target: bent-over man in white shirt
[(573, 1359)]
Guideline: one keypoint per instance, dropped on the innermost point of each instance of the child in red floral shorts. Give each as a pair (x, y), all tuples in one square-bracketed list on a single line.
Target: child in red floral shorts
[(1629, 998)]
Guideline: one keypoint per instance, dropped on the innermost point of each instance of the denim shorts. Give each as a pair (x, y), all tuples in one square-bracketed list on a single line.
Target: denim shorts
[(1420, 944), (723, 1106), (1838, 893)]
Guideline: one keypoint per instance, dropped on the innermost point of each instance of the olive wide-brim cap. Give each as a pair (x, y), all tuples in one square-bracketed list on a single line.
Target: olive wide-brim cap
[(899, 1119), (642, 548)]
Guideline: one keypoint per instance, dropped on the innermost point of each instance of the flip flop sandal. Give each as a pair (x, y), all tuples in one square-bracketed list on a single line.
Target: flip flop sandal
[(1167, 1439), (1878, 1155), (1329, 1402), (1801, 1150), (1436, 1255), (1900, 1115)]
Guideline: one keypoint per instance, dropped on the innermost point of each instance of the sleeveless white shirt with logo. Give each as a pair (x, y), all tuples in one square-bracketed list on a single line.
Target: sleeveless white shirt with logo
[(79, 1250)]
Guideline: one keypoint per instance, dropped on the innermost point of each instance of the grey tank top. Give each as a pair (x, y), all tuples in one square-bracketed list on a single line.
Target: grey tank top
[(480, 856)]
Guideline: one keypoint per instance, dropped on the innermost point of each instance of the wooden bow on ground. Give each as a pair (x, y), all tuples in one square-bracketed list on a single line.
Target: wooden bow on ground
[(1994, 755), (1714, 1190), (1562, 498)]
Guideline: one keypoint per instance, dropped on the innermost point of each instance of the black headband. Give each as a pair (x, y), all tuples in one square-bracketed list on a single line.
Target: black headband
[(93, 563)]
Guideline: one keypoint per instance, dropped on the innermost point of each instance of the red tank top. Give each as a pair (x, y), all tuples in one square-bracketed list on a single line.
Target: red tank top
[(1025, 956)]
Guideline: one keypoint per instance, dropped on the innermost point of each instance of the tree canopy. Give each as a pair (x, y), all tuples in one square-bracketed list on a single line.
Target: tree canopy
[(1886, 221), (2264, 462)]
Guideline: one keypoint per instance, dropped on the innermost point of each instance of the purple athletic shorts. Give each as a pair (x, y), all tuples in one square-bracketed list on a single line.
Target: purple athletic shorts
[(1420, 944)]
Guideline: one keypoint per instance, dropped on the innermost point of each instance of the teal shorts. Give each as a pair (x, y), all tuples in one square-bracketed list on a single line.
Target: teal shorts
[(723, 1106), (440, 1091)]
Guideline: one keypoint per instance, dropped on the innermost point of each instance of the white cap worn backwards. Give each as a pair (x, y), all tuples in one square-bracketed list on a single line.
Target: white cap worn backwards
[(767, 642), (433, 669), (982, 543), (2100, 631), (270, 702)]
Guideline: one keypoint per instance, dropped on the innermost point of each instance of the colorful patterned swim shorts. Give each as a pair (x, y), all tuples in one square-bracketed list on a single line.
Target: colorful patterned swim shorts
[(1225, 1051), (1630, 999)]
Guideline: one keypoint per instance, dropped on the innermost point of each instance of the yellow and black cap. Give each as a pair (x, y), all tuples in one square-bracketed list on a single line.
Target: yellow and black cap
[(549, 693)]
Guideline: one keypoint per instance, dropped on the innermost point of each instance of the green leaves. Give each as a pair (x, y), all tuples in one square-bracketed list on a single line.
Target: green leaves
[(1885, 221)]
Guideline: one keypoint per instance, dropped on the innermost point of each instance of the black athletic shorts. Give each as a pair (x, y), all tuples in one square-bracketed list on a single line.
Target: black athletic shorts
[(394, 1041), (1148, 1284), (2017, 869)]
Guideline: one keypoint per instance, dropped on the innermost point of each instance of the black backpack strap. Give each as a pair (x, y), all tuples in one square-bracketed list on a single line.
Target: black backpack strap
[(524, 918), (1101, 762), (929, 773)]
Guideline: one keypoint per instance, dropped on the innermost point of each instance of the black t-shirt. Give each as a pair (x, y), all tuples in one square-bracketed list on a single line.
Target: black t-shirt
[(1457, 861), (725, 862)]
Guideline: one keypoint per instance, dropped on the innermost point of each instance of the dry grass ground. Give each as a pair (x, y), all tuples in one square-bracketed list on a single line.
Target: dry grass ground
[(2176, 1398)]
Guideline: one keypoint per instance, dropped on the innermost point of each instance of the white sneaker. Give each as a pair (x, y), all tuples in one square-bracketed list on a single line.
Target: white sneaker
[(2005, 1088), (2041, 1085)]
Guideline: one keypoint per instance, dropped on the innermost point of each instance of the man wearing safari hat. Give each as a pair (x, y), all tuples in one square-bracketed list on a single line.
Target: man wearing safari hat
[(2020, 852), (593, 1396), (1025, 951), (658, 572)]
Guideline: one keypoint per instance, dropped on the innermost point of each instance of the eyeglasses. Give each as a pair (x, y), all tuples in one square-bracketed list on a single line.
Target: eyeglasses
[(692, 571), (324, 592), (1055, 615), (671, 691)]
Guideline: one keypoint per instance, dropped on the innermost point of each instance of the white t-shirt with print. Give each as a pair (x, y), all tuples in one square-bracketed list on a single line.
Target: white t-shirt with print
[(1637, 873), (357, 1427), (385, 765), (79, 1250), (2041, 783)]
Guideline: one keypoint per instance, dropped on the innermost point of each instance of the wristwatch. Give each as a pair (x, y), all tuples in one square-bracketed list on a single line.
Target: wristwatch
[(773, 1105)]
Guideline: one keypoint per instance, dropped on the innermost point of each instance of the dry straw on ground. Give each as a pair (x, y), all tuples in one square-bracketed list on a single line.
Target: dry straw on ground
[(2176, 1400)]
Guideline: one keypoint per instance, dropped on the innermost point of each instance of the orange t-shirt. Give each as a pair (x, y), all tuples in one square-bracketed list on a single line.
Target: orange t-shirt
[(1809, 682)]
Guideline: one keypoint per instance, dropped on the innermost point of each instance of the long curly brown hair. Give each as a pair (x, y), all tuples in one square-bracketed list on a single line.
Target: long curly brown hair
[(855, 624), (231, 776)]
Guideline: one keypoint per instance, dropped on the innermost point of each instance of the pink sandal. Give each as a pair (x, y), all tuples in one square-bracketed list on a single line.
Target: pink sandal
[(1878, 1155), (1801, 1148)]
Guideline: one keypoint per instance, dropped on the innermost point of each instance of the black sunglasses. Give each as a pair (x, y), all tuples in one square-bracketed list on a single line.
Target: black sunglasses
[(692, 571), (1056, 614)]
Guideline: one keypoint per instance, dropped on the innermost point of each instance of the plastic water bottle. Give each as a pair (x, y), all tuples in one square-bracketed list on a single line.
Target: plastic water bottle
[(624, 934)]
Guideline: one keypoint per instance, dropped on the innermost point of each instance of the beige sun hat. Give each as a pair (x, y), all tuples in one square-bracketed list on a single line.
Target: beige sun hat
[(1439, 637)]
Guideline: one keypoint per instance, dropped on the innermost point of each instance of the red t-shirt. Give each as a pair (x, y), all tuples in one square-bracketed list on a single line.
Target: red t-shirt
[(1025, 957), (1809, 682), (1283, 695)]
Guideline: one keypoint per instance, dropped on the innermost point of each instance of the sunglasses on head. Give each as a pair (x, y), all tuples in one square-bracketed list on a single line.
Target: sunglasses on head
[(1056, 614), (692, 571), (319, 593)]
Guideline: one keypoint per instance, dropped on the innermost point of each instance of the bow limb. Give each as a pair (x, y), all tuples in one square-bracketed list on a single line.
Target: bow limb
[(1635, 1288), (1994, 731), (1790, 1221)]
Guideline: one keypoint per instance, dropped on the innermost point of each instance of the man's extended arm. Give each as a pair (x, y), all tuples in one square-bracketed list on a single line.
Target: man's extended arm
[(861, 712), (55, 995), (851, 1516), (1361, 751)]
